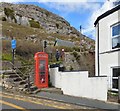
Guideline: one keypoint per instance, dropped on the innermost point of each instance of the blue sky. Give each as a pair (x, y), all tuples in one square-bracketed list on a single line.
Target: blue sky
[(76, 12)]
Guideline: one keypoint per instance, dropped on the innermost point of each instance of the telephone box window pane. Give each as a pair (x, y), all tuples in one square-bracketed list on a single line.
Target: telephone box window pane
[(42, 65), (42, 73), (115, 83)]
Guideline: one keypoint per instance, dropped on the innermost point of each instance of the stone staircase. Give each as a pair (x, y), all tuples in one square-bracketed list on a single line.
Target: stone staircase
[(18, 82)]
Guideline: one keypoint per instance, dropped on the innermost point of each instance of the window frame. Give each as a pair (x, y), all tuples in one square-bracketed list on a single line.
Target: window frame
[(114, 78), (113, 37)]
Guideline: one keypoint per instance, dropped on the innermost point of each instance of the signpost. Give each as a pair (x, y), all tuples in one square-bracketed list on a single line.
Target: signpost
[(13, 45)]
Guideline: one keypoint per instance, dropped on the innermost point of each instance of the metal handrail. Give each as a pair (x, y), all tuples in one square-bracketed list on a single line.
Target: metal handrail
[(23, 74)]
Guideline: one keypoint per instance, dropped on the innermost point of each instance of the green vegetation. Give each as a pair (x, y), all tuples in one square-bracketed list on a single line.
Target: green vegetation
[(71, 68), (47, 13), (7, 56), (27, 48), (76, 55), (10, 13), (4, 19), (57, 25), (25, 51), (34, 24), (21, 32)]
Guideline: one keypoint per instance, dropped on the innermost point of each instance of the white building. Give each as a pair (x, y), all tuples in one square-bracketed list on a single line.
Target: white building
[(108, 46)]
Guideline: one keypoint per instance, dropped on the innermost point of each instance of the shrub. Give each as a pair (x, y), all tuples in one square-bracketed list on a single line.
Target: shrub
[(4, 19), (10, 13), (76, 49), (76, 55), (6, 45), (57, 25), (34, 24), (71, 68), (7, 56), (27, 49)]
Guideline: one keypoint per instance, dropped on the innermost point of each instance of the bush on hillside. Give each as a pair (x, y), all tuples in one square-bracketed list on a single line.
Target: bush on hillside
[(4, 19), (23, 49), (34, 24), (10, 13), (27, 49), (6, 45), (76, 55)]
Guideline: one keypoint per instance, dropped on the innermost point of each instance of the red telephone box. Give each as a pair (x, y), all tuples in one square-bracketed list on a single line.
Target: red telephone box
[(41, 69)]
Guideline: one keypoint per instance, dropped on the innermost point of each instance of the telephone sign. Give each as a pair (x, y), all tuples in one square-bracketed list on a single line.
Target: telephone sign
[(41, 69)]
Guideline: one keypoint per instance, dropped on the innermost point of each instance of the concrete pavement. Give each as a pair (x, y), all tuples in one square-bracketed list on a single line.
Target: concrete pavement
[(11, 101), (78, 101)]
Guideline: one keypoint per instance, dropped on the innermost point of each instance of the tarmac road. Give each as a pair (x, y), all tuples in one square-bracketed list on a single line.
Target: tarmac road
[(10, 102)]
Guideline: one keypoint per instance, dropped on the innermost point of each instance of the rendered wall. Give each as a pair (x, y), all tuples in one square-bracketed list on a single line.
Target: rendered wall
[(79, 84), (108, 57)]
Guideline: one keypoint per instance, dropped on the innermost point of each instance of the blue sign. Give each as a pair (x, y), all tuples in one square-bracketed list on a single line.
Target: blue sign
[(13, 44)]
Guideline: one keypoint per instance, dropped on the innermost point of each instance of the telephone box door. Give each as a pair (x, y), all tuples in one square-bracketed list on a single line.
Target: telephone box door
[(41, 75)]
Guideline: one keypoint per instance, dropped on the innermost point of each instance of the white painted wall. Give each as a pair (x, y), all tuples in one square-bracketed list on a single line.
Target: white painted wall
[(79, 84), (107, 60), (105, 31), (55, 77)]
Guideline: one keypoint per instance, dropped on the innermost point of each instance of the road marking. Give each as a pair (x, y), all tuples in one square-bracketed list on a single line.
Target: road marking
[(35, 102), (39, 99), (13, 105)]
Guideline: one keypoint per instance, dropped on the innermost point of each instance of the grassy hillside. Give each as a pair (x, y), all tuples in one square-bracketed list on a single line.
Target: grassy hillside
[(29, 42)]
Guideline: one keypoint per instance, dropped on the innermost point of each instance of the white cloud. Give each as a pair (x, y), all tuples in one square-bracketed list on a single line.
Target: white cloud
[(105, 7), (68, 7), (16, 1), (11, 1), (79, 6)]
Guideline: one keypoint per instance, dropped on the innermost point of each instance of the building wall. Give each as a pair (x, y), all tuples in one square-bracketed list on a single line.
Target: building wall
[(107, 62), (79, 84), (105, 31), (107, 59)]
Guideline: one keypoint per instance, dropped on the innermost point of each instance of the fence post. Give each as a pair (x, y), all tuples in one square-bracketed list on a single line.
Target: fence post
[(119, 89)]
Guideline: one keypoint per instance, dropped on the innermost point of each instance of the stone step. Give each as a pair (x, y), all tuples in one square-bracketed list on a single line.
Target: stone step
[(52, 90), (9, 73), (23, 82), (13, 76), (33, 88), (36, 91), (17, 79), (26, 85)]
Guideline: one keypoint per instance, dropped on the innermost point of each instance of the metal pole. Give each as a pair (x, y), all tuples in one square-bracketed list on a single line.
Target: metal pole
[(13, 50), (43, 45), (28, 83)]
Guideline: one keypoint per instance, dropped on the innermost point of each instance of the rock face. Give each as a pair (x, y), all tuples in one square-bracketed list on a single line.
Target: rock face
[(52, 23)]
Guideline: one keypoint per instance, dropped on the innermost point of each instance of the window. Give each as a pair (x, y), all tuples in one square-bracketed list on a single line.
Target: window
[(42, 67), (116, 73), (116, 36)]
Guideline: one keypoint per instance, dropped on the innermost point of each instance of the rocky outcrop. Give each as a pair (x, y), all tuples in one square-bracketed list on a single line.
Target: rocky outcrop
[(52, 23)]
